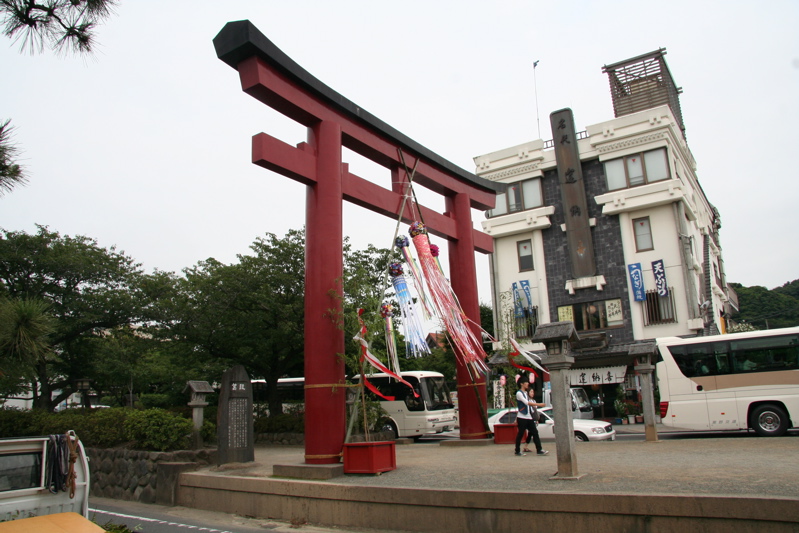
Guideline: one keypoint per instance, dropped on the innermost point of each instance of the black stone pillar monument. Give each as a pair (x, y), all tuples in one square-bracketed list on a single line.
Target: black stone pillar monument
[(235, 418)]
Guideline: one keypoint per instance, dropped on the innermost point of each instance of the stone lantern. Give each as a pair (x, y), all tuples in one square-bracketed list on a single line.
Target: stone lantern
[(198, 391), (557, 337), (645, 369)]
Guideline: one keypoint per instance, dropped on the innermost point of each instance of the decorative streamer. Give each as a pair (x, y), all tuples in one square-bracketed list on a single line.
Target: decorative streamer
[(411, 324), (403, 244), (446, 303), (530, 356), (387, 312), (367, 356)]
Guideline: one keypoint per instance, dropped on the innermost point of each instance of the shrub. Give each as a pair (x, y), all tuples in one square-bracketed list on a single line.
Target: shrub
[(21, 423), (156, 429), (150, 401), (285, 423), (208, 431)]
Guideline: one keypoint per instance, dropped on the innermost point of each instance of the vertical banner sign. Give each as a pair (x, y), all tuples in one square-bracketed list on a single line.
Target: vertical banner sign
[(637, 281), (572, 194), (660, 277), (517, 302), (526, 287)]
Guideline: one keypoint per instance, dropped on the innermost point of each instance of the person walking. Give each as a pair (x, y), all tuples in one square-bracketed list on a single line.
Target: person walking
[(525, 419)]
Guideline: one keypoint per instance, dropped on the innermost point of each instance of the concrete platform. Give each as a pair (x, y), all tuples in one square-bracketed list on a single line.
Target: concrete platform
[(710, 484)]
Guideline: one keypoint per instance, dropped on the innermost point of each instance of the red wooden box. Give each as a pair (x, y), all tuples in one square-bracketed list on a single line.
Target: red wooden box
[(505, 433), (369, 457)]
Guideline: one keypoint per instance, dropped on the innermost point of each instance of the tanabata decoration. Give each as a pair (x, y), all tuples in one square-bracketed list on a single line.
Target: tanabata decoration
[(468, 347), (387, 312), (368, 357), (412, 327), (529, 356), (403, 244)]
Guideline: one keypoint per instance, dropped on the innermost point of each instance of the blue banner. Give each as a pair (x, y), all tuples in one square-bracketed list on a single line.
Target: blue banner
[(660, 277), (526, 286), (517, 302), (637, 282)]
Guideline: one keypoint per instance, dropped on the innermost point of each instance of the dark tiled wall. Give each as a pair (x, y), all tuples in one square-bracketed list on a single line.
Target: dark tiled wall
[(607, 250)]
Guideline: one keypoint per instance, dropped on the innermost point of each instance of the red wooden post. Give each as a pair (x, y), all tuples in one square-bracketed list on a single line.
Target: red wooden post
[(324, 271), (472, 396)]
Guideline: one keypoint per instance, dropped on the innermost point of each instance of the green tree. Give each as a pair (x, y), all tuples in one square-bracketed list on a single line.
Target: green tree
[(766, 309), (249, 313), (11, 173), (89, 290), (367, 287), (25, 328), (790, 289), (56, 24)]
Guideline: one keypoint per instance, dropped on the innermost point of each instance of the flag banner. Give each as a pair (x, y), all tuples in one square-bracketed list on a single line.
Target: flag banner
[(637, 282), (517, 301), (660, 277)]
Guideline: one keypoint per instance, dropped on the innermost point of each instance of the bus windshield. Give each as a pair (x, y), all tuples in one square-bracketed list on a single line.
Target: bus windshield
[(436, 394)]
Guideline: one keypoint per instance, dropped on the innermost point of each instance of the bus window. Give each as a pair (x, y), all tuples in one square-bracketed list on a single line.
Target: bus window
[(436, 393)]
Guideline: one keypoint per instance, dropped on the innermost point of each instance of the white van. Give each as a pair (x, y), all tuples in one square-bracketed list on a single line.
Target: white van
[(581, 406)]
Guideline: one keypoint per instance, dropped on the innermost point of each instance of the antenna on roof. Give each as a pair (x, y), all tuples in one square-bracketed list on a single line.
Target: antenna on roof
[(535, 87)]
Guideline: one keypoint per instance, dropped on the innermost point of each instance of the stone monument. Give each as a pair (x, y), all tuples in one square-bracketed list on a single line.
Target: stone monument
[(235, 421)]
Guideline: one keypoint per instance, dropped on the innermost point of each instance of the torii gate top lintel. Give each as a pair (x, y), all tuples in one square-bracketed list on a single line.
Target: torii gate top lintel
[(240, 41)]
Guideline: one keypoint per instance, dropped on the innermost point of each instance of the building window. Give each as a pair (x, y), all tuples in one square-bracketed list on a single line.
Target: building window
[(589, 316), (659, 309), (643, 234), (637, 169), (525, 250), (520, 196), (524, 323)]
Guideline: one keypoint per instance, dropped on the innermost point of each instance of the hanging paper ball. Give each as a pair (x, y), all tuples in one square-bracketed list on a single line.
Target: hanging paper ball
[(417, 228), (395, 269), (401, 241), (434, 250), (386, 310)]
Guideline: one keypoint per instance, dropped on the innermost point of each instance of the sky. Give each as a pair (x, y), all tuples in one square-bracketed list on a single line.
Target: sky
[(145, 145)]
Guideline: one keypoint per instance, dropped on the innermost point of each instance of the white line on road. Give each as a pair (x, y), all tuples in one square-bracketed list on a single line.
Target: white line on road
[(155, 521)]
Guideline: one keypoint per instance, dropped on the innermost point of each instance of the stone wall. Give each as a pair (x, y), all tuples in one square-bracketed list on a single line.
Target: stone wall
[(133, 474)]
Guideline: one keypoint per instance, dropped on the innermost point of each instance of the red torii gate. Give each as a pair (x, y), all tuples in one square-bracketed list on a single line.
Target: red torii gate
[(334, 122)]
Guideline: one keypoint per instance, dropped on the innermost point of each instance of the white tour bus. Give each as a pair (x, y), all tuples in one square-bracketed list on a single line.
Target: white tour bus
[(731, 382), (407, 416)]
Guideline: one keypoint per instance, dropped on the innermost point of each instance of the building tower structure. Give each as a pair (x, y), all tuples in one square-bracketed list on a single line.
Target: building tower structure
[(650, 264)]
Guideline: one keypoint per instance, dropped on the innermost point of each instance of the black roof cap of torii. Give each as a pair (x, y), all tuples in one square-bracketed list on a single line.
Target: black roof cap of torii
[(240, 40)]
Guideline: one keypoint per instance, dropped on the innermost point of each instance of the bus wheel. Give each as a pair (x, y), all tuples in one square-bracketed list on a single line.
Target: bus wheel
[(769, 420), (390, 427)]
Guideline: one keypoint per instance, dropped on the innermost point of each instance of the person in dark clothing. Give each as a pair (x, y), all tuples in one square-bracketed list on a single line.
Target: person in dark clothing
[(525, 419)]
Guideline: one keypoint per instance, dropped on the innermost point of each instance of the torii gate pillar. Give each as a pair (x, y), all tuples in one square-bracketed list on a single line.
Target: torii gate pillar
[(333, 123)]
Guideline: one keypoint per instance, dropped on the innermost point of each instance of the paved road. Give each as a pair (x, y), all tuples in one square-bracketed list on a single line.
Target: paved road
[(730, 465)]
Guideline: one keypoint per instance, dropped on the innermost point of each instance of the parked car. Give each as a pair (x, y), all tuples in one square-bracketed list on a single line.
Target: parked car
[(584, 430)]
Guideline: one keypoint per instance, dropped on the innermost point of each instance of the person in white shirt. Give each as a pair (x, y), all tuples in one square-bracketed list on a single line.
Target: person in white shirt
[(525, 420)]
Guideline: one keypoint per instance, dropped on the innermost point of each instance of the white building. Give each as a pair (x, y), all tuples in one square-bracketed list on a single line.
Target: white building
[(567, 240)]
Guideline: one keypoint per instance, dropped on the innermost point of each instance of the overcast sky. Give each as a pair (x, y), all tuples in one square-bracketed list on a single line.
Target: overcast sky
[(146, 144)]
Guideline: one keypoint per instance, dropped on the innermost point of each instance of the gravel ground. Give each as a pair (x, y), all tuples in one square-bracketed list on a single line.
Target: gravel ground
[(729, 465)]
